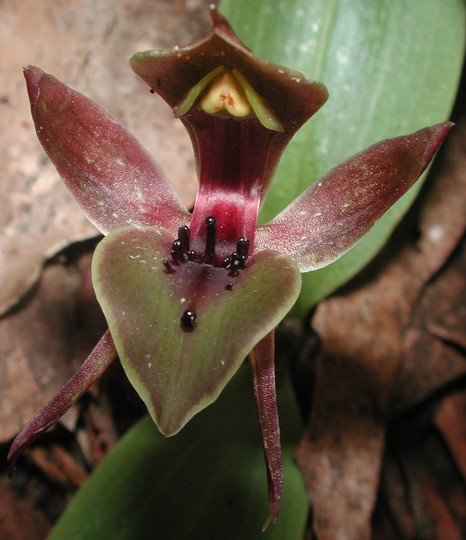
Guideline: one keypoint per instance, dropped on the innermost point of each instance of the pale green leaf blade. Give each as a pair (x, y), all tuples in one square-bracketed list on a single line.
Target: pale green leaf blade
[(391, 67), (208, 482)]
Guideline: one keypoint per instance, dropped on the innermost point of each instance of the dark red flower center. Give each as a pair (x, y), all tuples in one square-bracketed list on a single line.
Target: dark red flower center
[(181, 253)]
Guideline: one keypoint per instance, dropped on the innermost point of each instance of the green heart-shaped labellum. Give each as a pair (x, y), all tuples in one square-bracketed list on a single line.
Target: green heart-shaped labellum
[(181, 336)]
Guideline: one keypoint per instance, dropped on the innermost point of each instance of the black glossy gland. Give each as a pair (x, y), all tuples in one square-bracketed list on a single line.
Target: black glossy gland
[(236, 265), (242, 246), (180, 250), (177, 252), (183, 237), (188, 320), (211, 226), (168, 267)]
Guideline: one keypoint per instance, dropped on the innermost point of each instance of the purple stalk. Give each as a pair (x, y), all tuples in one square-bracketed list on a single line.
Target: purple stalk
[(96, 363), (261, 360)]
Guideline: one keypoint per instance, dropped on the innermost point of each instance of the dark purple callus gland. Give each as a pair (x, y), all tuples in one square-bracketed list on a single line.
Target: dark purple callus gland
[(181, 253), (168, 267), (183, 237), (238, 259), (188, 320), (211, 233), (242, 246), (235, 266), (177, 252)]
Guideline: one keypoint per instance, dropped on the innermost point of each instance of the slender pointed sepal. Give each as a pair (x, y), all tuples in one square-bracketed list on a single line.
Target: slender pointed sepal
[(105, 168), (103, 354), (332, 215), (262, 365)]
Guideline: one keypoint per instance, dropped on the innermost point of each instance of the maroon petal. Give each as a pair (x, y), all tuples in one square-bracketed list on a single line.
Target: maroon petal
[(96, 363), (173, 73), (291, 97), (334, 213), (104, 167), (261, 360)]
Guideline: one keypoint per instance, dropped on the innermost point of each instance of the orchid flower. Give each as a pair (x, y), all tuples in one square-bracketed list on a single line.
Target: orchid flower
[(188, 296)]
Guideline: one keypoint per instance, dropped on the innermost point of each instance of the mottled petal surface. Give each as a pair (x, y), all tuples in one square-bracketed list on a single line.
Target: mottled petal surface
[(178, 369), (334, 213), (104, 167)]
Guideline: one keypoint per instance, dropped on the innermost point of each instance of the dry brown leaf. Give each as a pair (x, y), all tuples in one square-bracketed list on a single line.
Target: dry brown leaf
[(421, 483), (451, 421), (44, 341), (432, 354), (58, 465), (445, 527), (18, 518), (372, 340), (86, 44)]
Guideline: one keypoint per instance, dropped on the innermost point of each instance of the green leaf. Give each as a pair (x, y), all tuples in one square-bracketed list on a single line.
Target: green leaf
[(208, 482), (178, 371), (391, 67)]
